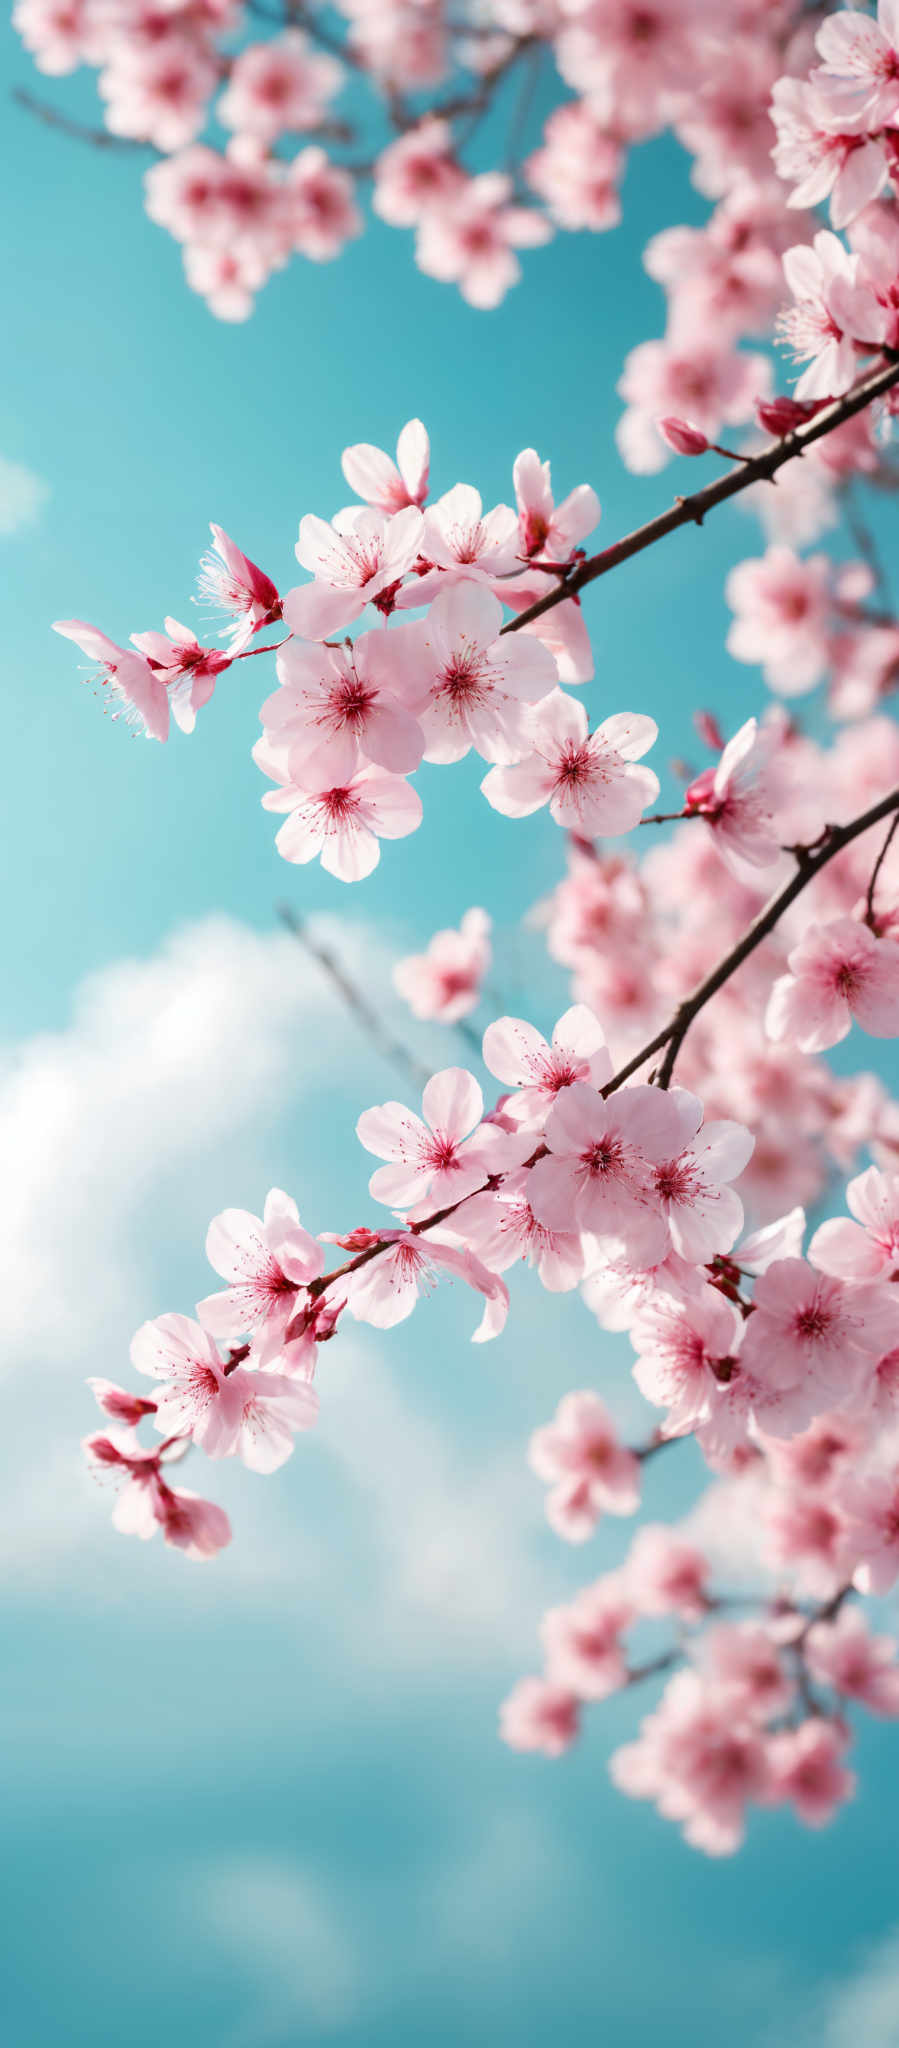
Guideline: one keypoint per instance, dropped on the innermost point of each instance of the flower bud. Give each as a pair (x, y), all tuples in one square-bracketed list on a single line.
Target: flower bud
[(682, 436)]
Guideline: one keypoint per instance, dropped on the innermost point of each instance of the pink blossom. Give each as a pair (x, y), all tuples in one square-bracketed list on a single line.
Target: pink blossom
[(807, 1769), (137, 689), (266, 1263), (862, 57), (815, 1339), (845, 1655), (666, 1574), (383, 483), (158, 93), (705, 381), (279, 87), (337, 702), (840, 973), (519, 1056), (475, 685), (471, 237), (682, 436), (577, 169), (123, 1406), (502, 1228), (704, 1215), (867, 1249), (684, 1351), (445, 1157), (832, 318), (320, 206), (234, 584), (782, 610), (445, 981), (539, 1715), (589, 1470), (353, 561), (809, 1536), (871, 1506), (188, 670), (385, 1290), (342, 824), (736, 801), (698, 1761), (588, 779), (629, 58), (823, 151), (582, 1641), (61, 34), (461, 540), (146, 1502), (545, 528), (598, 1171), (417, 174), (743, 1657), (246, 1414)]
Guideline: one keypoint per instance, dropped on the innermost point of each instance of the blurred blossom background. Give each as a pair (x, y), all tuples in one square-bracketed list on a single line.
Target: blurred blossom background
[(263, 1803)]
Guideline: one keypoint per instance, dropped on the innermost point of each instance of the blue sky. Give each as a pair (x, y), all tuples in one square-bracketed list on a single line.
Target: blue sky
[(263, 1803)]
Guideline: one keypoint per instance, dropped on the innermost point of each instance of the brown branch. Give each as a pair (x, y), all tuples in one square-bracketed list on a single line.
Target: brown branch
[(875, 873), (671, 1037), (695, 509), (381, 1037), (100, 138), (809, 864)]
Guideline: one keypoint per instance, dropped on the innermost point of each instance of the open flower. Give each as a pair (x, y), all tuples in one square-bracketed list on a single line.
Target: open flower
[(446, 1156), (588, 779)]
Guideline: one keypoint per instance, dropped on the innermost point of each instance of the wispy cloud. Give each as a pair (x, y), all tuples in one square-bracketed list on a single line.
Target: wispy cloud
[(22, 497)]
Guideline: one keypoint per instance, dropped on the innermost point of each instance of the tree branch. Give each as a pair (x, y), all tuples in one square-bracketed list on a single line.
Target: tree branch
[(809, 864), (695, 509)]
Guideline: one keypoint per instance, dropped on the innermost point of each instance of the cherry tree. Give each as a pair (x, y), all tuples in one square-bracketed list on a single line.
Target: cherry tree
[(677, 1149)]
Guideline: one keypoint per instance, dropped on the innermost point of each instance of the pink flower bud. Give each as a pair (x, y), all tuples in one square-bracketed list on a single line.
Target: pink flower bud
[(783, 415), (684, 438), (119, 1403)]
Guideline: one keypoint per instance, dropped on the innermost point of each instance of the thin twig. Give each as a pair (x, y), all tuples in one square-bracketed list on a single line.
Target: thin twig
[(99, 138), (875, 873), (672, 1036), (381, 1037)]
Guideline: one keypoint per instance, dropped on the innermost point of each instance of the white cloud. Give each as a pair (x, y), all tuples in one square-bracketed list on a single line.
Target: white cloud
[(276, 1921), (863, 2012), (22, 497)]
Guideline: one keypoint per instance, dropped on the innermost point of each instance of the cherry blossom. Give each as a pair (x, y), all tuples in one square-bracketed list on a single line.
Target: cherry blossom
[(353, 561), (445, 981), (807, 1769), (446, 1156), (331, 696), (840, 973), (735, 802), (844, 1654), (519, 1056), (341, 824), (383, 483), (471, 238), (539, 1715), (266, 1262), (833, 315), (476, 685), (234, 584), (589, 1470), (583, 1641), (589, 780), (136, 689)]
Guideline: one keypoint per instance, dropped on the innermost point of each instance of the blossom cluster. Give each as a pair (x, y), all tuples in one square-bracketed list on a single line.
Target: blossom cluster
[(351, 720), (777, 109)]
